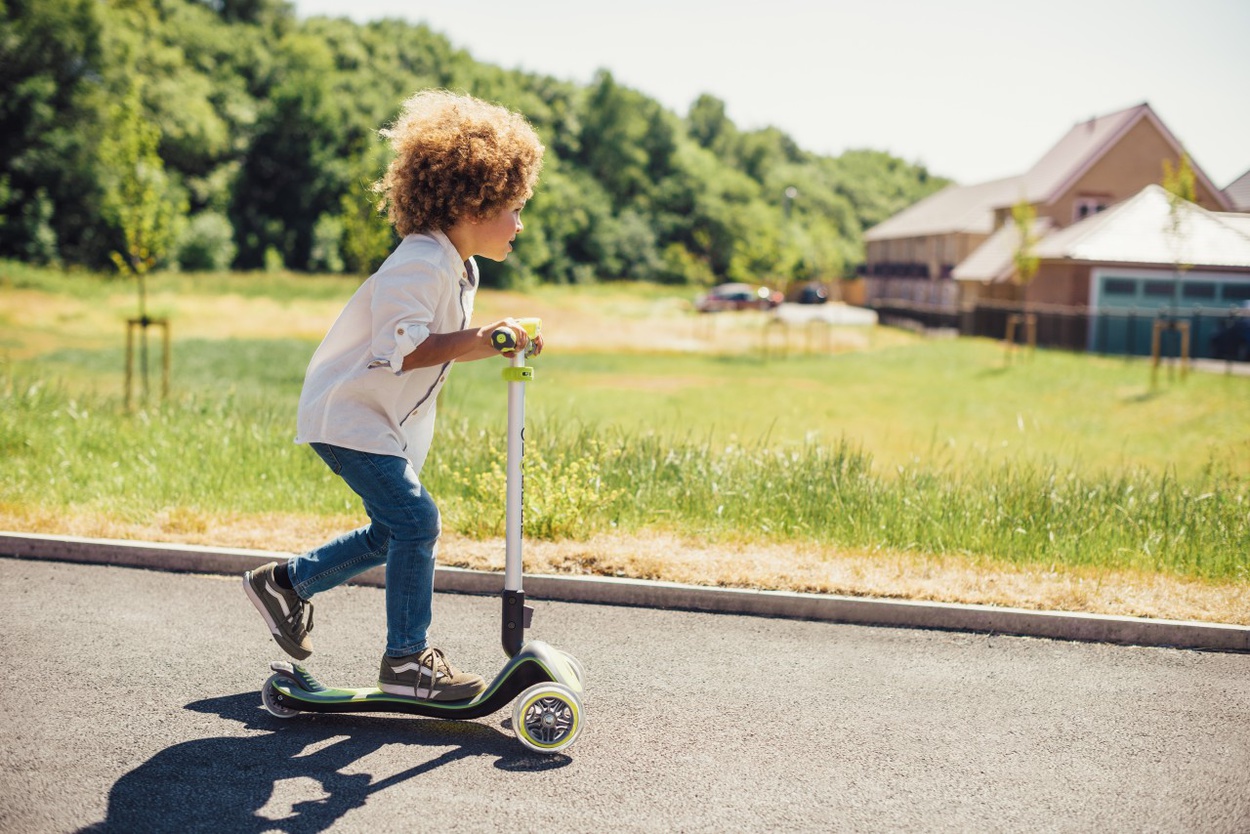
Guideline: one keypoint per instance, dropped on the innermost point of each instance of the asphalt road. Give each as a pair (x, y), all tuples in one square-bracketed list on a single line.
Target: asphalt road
[(130, 704)]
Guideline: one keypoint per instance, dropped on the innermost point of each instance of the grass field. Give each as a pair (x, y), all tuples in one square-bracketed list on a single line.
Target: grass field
[(662, 444)]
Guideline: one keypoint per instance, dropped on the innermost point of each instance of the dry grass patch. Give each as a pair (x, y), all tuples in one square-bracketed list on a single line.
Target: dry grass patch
[(671, 558)]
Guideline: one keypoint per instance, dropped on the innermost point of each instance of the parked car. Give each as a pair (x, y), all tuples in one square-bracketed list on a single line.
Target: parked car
[(813, 292), (737, 297)]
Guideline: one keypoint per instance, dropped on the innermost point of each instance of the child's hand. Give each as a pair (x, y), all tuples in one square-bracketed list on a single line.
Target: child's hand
[(520, 340)]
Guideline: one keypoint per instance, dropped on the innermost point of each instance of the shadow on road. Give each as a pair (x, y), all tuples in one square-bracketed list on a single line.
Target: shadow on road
[(232, 783)]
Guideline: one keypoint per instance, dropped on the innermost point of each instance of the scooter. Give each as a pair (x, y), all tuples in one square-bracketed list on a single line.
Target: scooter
[(546, 683)]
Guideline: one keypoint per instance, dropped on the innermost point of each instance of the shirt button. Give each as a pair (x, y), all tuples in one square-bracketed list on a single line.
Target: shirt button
[(400, 331)]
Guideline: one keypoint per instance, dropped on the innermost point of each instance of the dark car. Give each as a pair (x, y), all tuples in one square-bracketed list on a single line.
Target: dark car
[(813, 292), (737, 297)]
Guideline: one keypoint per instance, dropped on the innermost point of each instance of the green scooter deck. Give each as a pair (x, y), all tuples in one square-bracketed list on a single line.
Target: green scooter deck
[(294, 687)]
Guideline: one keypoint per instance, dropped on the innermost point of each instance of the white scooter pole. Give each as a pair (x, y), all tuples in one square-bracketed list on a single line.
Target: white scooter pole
[(516, 614), (514, 507)]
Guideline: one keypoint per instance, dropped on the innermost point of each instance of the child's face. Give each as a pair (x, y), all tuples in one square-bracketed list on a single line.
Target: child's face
[(495, 234)]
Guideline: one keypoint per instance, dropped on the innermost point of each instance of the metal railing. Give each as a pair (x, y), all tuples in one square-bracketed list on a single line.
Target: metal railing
[(1213, 332)]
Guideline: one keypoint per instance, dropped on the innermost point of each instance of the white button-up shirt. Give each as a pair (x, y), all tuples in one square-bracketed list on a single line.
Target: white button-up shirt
[(356, 393)]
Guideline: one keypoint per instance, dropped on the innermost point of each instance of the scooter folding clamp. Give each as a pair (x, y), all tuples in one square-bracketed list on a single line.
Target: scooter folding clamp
[(522, 374)]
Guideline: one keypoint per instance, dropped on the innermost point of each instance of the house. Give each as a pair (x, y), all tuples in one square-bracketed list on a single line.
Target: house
[(1147, 257), (913, 256), (1238, 193), (1115, 251)]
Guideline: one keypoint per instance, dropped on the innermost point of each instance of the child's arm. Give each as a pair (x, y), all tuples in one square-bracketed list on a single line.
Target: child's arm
[(465, 345)]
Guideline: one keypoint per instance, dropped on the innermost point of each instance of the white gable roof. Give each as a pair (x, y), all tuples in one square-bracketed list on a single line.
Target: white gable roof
[(1139, 230), (1240, 222), (994, 260)]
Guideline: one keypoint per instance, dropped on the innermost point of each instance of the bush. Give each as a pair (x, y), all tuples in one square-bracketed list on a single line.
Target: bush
[(327, 253), (207, 245)]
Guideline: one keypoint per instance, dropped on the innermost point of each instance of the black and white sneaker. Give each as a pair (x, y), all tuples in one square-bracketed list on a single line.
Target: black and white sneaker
[(289, 617), (427, 676)]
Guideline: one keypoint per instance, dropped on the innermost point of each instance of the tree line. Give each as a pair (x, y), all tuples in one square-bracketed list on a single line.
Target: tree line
[(249, 136)]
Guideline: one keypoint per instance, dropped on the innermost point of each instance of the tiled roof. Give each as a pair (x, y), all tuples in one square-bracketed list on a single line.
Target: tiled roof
[(1238, 192), (1240, 222), (1138, 230), (1079, 148), (970, 208), (956, 208), (994, 260)]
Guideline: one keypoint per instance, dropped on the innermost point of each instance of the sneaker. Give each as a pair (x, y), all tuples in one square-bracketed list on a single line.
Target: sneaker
[(290, 618), (428, 676)]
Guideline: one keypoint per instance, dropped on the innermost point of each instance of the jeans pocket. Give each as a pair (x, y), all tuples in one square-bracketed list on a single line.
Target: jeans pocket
[(326, 452)]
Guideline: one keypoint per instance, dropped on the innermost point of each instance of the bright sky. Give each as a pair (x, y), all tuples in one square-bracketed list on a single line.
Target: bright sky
[(974, 89)]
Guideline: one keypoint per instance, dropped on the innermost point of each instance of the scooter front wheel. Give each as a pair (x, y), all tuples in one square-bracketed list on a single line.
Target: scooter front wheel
[(270, 698), (548, 717)]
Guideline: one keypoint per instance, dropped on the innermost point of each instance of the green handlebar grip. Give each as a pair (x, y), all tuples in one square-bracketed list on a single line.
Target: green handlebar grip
[(504, 340), (533, 326)]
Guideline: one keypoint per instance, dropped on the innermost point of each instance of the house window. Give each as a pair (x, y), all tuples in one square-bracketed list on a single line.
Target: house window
[(1157, 288), (1237, 292), (1120, 286), (1204, 289), (1087, 207)]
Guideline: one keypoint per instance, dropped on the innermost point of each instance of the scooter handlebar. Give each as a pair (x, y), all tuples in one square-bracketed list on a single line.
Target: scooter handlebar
[(503, 339)]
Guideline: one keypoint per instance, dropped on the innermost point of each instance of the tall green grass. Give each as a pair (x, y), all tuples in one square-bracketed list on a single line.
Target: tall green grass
[(934, 448), (1010, 512), (231, 451)]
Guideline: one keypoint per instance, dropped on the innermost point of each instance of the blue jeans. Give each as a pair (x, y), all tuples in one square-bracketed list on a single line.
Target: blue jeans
[(402, 534)]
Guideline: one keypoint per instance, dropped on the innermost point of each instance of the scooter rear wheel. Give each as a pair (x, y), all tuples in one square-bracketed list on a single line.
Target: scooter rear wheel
[(269, 697), (548, 717)]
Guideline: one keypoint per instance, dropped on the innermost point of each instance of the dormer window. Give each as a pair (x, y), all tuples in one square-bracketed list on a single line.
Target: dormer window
[(1087, 207)]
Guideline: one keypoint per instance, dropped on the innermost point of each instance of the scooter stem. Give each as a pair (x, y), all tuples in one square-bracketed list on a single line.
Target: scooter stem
[(516, 614), (516, 450)]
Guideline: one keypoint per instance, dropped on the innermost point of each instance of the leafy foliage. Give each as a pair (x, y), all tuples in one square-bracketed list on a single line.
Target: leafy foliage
[(137, 195), (271, 122), (1025, 258)]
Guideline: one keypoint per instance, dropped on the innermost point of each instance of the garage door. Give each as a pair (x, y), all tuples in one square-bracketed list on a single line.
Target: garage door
[(1128, 306)]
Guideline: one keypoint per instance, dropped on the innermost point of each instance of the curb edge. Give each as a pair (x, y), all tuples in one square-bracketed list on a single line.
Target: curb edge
[(942, 616)]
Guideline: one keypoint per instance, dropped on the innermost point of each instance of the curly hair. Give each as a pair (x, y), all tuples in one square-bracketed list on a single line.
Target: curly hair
[(456, 157)]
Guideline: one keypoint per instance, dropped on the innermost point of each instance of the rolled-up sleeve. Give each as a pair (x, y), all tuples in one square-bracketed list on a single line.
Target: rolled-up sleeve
[(402, 310)]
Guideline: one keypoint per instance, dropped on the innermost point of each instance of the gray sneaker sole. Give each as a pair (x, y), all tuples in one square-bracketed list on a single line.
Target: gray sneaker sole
[(463, 692)]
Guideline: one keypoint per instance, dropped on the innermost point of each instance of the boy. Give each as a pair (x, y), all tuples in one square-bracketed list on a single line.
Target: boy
[(462, 172)]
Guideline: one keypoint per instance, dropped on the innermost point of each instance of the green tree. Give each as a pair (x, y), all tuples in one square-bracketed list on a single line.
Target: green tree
[(269, 120), (877, 184), (207, 243), (708, 124), (51, 110), (299, 162), (367, 235), (1180, 184), (139, 202), (1025, 259), (626, 140)]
